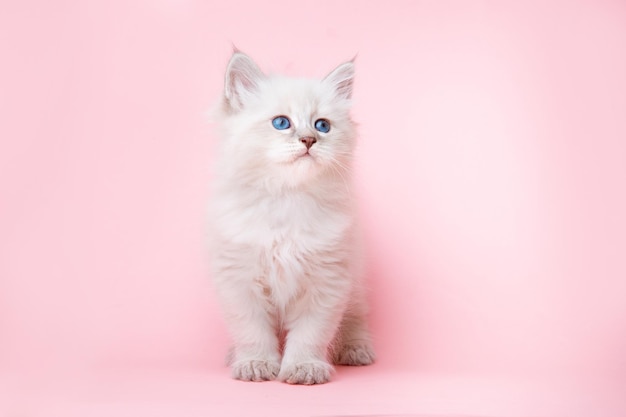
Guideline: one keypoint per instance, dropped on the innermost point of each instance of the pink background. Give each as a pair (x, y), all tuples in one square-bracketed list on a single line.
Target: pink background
[(492, 180)]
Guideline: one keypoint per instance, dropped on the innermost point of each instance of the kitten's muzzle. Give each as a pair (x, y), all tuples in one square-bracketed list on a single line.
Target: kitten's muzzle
[(308, 141)]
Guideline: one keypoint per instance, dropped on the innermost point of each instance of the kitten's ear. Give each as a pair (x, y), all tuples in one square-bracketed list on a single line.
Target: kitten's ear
[(242, 79), (341, 79)]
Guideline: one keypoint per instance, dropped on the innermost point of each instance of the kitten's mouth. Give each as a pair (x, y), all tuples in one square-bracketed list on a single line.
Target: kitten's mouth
[(305, 155)]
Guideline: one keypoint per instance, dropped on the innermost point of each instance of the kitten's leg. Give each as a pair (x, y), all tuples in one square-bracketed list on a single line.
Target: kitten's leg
[(353, 343), (248, 313), (255, 354), (311, 325)]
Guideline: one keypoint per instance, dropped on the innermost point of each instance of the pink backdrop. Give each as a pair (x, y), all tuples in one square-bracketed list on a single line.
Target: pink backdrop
[(492, 177)]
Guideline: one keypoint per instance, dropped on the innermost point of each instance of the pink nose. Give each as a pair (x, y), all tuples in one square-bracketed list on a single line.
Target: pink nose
[(308, 141)]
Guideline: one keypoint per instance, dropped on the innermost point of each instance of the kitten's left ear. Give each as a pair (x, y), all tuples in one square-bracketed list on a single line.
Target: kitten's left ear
[(341, 79), (242, 79)]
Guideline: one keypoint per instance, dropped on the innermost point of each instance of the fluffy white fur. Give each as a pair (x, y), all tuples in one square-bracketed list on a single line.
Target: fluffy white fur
[(286, 257)]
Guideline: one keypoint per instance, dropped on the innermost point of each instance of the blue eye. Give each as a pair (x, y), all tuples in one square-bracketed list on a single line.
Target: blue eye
[(322, 125), (281, 123)]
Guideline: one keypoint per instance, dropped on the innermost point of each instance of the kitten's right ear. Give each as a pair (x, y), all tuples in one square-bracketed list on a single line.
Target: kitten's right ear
[(341, 79), (242, 79)]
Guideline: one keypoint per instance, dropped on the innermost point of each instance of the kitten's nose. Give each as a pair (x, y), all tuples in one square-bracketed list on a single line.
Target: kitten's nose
[(308, 141)]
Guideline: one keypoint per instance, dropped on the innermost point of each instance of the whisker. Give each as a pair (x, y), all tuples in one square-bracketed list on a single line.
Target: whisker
[(340, 168)]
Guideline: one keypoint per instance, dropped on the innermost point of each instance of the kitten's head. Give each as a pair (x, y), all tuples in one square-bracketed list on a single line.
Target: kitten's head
[(285, 131)]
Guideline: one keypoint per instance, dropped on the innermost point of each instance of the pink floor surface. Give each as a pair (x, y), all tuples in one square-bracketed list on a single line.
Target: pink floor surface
[(372, 391)]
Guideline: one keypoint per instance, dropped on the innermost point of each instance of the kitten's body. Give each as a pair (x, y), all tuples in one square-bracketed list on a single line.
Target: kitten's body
[(286, 251)]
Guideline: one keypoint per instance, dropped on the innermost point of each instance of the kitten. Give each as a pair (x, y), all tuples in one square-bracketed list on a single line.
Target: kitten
[(286, 258)]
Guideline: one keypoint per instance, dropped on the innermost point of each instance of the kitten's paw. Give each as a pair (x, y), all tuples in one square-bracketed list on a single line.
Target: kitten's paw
[(355, 354), (307, 373), (255, 370)]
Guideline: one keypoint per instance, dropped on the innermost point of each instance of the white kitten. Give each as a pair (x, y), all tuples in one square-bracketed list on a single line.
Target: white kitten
[(287, 264)]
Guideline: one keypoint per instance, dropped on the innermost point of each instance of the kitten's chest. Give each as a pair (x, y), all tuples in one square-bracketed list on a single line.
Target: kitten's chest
[(294, 224), (295, 240)]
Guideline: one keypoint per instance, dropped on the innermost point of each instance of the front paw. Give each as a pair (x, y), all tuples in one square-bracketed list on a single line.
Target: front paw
[(355, 354), (255, 370), (306, 373)]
